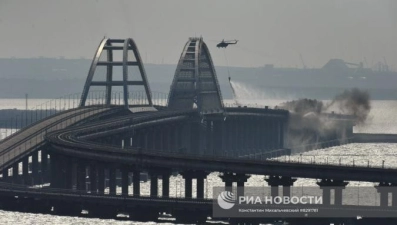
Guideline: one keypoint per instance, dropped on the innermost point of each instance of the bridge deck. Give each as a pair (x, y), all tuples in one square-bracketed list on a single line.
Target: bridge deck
[(31, 137), (67, 143)]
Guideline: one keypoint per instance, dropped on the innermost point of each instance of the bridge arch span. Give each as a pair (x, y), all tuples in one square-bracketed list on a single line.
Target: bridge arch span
[(195, 82), (107, 49)]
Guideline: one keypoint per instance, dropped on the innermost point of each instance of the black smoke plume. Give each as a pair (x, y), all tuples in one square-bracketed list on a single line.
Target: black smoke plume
[(353, 102), (311, 122), (303, 106)]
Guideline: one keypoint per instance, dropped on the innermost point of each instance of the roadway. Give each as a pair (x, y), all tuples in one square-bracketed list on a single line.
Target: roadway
[(23, 142), (71, 142)]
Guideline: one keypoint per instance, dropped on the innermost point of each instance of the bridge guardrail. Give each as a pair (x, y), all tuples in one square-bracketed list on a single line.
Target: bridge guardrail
[(50, 127), (88, 113), (70, 102)]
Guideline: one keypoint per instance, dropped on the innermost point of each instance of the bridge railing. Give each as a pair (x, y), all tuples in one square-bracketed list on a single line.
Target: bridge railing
[(269, 152), (35, 139), (289, 156), (328, 157), (25, 118), (338, 160)]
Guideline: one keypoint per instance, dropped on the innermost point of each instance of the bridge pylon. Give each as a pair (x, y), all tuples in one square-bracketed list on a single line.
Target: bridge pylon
[(105, 59), (195, 82)]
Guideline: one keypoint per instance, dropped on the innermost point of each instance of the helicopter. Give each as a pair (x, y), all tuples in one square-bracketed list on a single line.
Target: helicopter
[(224, 44)]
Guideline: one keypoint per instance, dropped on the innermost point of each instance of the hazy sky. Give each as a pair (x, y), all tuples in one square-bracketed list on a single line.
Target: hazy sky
[(268, 31)]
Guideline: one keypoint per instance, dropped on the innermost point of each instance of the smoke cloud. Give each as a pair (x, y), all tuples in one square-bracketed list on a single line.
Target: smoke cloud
[(310, 126), (353, 102), (314, 123), (303, 106)]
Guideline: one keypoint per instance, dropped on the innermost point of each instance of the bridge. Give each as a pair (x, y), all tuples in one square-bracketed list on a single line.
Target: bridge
[(83, 152)]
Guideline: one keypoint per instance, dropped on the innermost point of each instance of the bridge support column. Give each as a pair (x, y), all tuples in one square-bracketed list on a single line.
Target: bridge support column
[(25, 171), (136, 182), (394, 195), (124, 181), (384, 199), (81, 175), (56, 171), (241, 179), (68, 173), (326, 185), (44, 165), (112, 181), (200, 176), (200, 187), (338, 195), (166, 184), (287, 183), (5, 174), (93, 178), (384, 189), (188, 184), (154, 184), (229, 178), (275, 181), (326, 195), (35, 167), (101, 179), (15, 173)]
